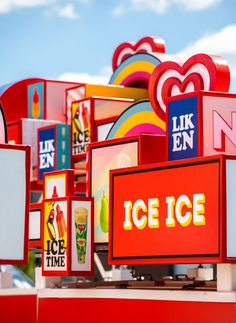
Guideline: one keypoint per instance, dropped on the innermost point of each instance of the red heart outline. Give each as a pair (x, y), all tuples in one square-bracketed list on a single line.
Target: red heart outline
[(157, 45), (218, 73), (194, 78)]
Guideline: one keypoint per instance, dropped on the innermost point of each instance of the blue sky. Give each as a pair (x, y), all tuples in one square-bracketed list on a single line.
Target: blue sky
[(75, 39)]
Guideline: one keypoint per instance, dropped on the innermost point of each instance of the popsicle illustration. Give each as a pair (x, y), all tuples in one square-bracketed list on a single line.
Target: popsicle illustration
[(104, 213), (50, 225), (85, 117), (61, 223), (35, 104), (76, 120)]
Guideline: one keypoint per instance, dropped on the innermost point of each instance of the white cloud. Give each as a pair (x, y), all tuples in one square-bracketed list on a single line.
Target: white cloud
[(106, 70), (52, 7), (85, 78), (161, 6), (85, 2), (68, 11), (118, 10), (218, 43), (196, 5), (8, 5), (158, 6)]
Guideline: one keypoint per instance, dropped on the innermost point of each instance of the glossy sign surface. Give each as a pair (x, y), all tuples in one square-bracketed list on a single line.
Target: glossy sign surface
[(167, 213)]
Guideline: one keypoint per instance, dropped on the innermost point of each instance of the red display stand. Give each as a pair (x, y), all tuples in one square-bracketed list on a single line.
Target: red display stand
[(166, 306), (18, 306), (137, 306)]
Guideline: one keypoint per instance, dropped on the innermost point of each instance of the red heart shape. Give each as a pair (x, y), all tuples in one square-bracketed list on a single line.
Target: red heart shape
[(199, 72), (144, 45), (183, 87)]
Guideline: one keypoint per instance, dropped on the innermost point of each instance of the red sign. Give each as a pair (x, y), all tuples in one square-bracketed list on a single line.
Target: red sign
[(166, 213)]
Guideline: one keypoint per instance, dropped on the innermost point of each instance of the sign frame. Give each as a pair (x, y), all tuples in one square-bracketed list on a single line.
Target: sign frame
[(27, 151), (167, 259), (68, 254), (37, 243), (200, 116), (144, 155)]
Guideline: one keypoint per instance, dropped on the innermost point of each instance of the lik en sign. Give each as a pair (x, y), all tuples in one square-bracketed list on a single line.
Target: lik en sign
[(173, 212)]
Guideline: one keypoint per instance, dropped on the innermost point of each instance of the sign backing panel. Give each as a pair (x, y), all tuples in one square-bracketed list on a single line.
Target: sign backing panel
[(167, 213)]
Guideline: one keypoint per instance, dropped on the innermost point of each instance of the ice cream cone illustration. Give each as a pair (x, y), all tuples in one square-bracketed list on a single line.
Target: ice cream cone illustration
[(104, 213), (81, 221), (35, 105)]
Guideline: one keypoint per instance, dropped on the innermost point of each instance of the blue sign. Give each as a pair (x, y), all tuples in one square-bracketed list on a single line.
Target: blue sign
[(183, 128), (46, 151)]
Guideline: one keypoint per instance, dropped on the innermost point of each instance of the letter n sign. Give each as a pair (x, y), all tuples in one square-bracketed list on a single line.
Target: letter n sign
[(182, 118)]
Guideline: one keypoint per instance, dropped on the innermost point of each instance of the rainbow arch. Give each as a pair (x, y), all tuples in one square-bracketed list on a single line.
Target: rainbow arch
[(136, 68), (139, 118)]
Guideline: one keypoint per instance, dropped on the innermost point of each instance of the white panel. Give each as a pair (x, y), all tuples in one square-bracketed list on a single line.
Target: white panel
[(56, 100), (12, 203), (103, 131), (55, 181), (231, 207), (34, 224)]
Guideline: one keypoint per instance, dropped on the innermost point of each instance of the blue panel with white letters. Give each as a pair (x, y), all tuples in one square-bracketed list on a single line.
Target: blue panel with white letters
[(46, 151), (183, 128)]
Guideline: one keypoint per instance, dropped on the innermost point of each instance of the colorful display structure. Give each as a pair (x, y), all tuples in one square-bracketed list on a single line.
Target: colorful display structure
[(25, 132), (144, 45), (151, 210), (54, 151), (106, 112), (68, 228), (139, 118), (201, 124), (16, 94), (35, 98), (14, 203), (134, 63), (112, 154), (190, 221), (58, 184), (83, 91), (92, 119)]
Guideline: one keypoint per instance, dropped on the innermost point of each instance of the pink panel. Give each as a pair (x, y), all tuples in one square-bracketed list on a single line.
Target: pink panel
[(219, 127), (56, 100)]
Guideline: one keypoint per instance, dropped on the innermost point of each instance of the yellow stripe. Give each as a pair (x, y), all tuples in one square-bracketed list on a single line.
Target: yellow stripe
[(132, 68), (137, 119)]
